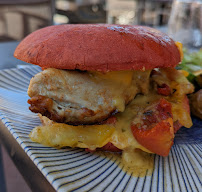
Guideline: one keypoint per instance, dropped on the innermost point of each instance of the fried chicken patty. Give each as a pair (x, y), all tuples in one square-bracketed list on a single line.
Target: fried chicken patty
[(76, 97)]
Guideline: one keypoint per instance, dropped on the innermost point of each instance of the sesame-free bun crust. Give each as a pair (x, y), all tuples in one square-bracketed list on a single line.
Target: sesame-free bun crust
[(98, 47)]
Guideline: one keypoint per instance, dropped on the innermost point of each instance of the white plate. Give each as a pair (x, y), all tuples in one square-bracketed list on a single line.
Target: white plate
[(76, 170)]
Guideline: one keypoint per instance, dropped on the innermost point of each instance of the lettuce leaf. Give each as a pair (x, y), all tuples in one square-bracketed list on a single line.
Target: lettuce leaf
[(192, 63)]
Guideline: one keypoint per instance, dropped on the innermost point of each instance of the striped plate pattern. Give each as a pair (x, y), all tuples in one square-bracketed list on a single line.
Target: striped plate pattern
[(73, 169)]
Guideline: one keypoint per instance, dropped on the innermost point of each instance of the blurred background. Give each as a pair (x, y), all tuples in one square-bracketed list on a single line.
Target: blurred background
[(181, 19), (18, 18)]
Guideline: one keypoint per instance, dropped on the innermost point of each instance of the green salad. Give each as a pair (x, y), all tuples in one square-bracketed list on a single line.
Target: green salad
[(191, 66), (192, 63)]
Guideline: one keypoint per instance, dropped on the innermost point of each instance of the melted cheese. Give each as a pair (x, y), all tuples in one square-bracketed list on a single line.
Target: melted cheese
[(136, 162), (120, 134), (180, 46), (95, 136), (118, 82), (119, 103), (61, 135), (180, 86), (123, 137), (120, 77), (123, 85), (179, 111)]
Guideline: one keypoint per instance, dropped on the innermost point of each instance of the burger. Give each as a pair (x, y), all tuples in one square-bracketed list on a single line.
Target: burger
[(106, 87)]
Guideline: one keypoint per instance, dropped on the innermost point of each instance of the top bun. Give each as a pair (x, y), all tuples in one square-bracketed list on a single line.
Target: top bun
[(99, 47)]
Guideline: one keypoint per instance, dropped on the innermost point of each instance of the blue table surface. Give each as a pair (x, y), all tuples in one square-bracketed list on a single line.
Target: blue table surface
[(190, 135)]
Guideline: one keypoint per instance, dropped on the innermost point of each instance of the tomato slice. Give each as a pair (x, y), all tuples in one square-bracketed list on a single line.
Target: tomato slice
[(164, 90), (110, 120), (185, 105), (110, 147), (177, 125), (155, 130)]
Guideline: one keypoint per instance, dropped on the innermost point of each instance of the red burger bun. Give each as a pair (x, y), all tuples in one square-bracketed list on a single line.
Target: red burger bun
[(98, 47)]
